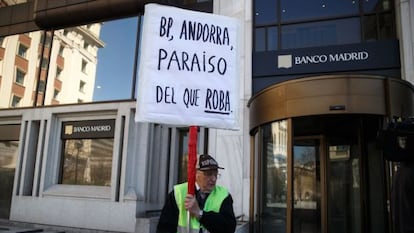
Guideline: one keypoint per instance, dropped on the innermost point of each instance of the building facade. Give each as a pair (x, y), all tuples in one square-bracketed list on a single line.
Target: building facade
[(316, 87)]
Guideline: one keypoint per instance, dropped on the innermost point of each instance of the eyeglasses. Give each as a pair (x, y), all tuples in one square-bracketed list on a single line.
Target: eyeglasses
[(211, 173)]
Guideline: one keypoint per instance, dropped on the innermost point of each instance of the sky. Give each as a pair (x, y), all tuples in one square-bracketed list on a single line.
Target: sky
[(115, 61)]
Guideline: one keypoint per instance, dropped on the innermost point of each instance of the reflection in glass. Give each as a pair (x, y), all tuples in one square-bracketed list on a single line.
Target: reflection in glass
[(370, 29), (274, 177), (8, 154), (183, 155), (97, 57), (386, 26), (5, 3), (344, 209), (8, 158), (115, 70), (260, 39), (272, 38), (376, 5), (306, 187), (384, 30), (316, 9), (87, 162), (324, 33), (265, 12)]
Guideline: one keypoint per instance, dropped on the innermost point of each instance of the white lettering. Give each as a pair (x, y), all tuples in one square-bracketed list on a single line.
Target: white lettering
[(337, 57), (352, 56), (94, 128), (314, 59), (100, 128), (82, 129)]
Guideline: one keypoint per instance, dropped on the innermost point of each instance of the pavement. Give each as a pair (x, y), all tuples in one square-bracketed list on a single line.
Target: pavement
[(8, 226), (16, 227)]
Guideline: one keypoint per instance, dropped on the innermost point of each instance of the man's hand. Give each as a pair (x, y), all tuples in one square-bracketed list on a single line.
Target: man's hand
[(191, 205)]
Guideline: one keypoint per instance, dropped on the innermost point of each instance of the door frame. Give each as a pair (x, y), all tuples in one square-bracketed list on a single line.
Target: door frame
[(323, 179)]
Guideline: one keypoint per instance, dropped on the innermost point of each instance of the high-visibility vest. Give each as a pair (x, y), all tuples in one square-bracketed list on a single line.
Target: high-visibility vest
[(213, 203)]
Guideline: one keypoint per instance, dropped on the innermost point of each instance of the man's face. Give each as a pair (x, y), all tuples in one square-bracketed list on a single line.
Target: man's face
[(207, 180)]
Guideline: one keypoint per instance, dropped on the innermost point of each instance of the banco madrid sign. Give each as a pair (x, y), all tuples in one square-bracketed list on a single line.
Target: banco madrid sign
[(363, 56), (286, 61)]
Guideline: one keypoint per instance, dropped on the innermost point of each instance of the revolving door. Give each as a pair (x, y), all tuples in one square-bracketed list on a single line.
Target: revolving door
[(321, 174)]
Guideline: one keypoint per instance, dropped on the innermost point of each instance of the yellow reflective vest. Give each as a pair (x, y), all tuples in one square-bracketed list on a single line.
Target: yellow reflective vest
[(213, 203)]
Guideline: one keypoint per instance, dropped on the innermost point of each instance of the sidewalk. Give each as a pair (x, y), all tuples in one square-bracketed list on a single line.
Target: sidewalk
[(7, 226)]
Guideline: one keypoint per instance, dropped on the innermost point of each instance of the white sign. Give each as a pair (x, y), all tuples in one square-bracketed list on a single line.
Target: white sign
[(189, 68)]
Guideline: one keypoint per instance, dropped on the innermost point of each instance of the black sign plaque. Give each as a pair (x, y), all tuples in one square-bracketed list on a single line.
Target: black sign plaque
[(88, 129)]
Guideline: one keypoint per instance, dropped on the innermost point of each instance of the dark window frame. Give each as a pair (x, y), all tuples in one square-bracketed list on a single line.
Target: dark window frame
[(361, 14)]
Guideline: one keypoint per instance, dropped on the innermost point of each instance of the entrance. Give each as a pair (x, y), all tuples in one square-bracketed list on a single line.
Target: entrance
[(325, 172), (319, 185), (307, 209)]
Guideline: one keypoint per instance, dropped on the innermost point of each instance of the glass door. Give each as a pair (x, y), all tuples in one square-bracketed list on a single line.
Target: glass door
[(307, 185), (337, 172), (274, 195), (327, 178), (344, 189)]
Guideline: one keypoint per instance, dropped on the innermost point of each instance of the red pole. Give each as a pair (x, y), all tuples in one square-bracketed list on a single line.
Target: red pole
[(192, 159)]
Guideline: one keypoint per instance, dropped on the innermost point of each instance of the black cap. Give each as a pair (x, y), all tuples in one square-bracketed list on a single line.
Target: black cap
[(206, 162)]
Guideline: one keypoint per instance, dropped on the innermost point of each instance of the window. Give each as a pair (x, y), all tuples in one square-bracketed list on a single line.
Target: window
[(20, 75), (82, 86), (183, 155), (58, 72), (275, 176), (265, 12), (15, 101), (315, 9), (42, 86), (87, 152), (1, 41), (87, 162), (324, 33), (266, 39), (44, 63), (84, 65), (109, 41), (22, 52), (9, 150), (384, 30), (280, 24), (260, 39), (377, 5), (370, 32), (183, 136), (56, 94), (272, 38), (386, 27), (48, 42), (61, 48)]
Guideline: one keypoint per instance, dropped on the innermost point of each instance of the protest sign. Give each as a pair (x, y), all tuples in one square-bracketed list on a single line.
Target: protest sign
[(188, 68)]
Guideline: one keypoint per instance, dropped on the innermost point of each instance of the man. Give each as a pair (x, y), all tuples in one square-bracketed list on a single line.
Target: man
[(211, 210)]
